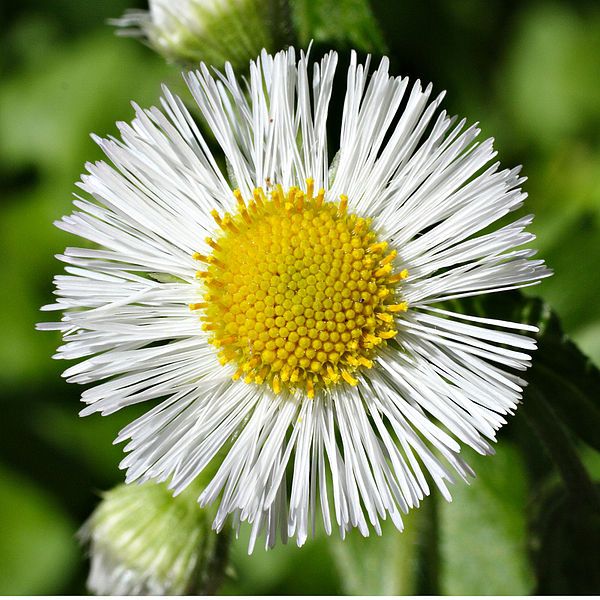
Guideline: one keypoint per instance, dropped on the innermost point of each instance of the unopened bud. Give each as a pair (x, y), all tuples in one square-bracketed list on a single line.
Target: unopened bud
[(213, 31), (144, 541)]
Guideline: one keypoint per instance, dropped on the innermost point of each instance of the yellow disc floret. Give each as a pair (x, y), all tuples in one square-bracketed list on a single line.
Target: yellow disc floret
[(299, 294)]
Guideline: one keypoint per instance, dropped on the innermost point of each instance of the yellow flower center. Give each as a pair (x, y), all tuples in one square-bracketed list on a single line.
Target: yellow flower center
[(298, 293)]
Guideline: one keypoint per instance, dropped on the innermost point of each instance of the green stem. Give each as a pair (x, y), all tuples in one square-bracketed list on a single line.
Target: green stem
[(429, 554), (545, 423), (214, 572), (282, 29)]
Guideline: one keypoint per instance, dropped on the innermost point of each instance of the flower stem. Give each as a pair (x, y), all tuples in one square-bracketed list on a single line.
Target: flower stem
[(281, 26), (214, 572)]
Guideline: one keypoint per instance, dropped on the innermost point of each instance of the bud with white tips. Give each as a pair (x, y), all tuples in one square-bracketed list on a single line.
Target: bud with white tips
[(144, 541), (213, 31)]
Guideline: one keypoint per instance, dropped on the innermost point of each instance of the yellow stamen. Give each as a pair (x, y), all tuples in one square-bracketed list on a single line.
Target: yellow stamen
[(259, 197), (310, 186), (278, 196), (239, 198), (197, 305), (389, 258), (387, 318), (320, 197), (225, 341), (211, 243), (349, 379), (246, 216), (388, 335), (295, 290), (399, 276), (291, 195), (385, 270), (351, 360), (343, 205), (378, 247), (228, 223), (402, 307), (213, 260)]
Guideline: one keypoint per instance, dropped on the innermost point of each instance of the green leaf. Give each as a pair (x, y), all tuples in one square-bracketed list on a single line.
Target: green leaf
[(282, 570), (565, 538), (379, 565), (572, 237), (340, 23), (570, 383), (483, 533), (588, 339), (37, 544), (568, 380)]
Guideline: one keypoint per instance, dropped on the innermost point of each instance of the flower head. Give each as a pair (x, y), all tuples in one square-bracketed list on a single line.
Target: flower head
[(290, 316), (299, 293), (145, 542), (189, 31)]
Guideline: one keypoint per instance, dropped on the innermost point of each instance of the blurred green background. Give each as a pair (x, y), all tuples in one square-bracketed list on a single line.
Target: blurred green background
[(528, 71)]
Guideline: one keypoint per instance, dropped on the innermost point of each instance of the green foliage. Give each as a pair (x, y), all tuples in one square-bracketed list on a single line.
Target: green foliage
[(284, 570), (549, 90), (37, 548), (568, 380), (551, 83), (561, 372), (483, 531), (565, 544), (383, 565), (46, 116), (341, 23)]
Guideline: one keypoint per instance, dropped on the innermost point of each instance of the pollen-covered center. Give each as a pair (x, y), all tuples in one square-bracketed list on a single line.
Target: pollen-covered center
[(299, 294)]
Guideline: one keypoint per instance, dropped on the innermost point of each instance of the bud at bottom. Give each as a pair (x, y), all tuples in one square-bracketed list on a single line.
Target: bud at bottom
[(144, 541)]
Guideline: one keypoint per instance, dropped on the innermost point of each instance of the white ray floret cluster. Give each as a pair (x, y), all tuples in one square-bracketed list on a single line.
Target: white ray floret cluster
[(345, 443)]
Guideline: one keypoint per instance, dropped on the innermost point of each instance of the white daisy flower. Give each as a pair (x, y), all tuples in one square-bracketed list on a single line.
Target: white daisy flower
[(289, 315)]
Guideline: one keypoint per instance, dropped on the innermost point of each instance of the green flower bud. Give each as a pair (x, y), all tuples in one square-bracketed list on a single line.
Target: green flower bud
[(144, 541), (213, 31)]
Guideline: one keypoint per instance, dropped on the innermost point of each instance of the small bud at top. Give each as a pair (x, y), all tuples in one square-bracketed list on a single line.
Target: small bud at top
[(213, 31)]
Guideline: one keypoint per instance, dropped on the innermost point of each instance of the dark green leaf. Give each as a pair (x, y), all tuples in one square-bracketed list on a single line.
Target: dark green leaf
[(340, 23), (565, 544), (569, 380)]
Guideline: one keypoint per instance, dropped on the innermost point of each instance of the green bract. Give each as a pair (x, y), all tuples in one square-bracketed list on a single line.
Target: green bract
[(214, 31), (145, 541)]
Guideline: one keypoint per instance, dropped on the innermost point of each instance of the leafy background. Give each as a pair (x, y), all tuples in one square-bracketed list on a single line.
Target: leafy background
[(528, 71)]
